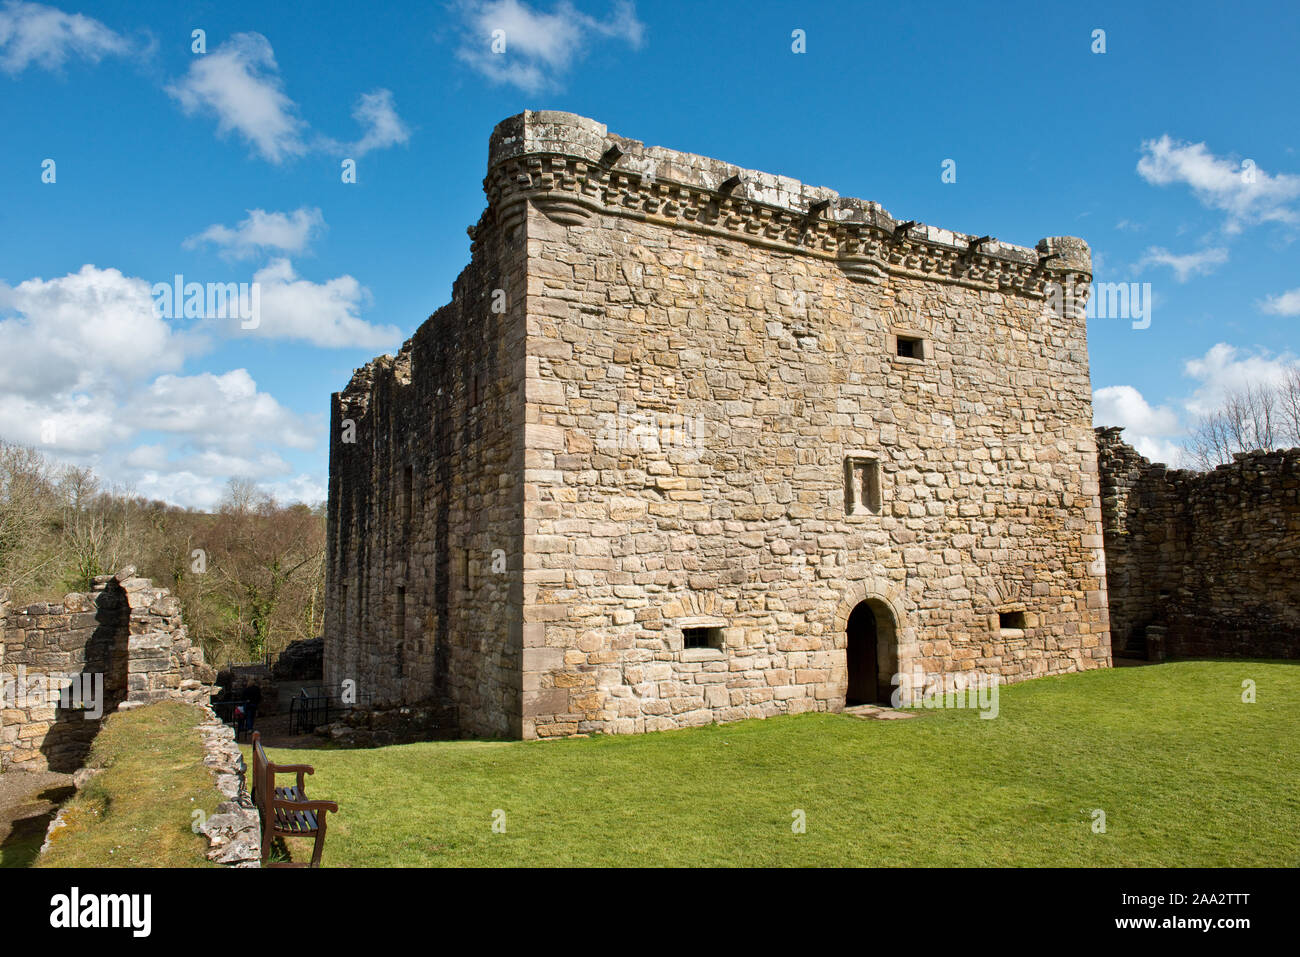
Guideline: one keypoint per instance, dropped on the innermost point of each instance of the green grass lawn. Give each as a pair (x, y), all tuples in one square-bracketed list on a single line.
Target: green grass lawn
[(1186, 773), (139, 811)]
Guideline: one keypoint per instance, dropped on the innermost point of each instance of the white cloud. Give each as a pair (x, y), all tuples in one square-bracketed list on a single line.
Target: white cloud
[(90, 377), (223, 413), (92, 330), (1225, 368), (197, 478), (262, 231), (77, 424), (323, 314), (209, 463), (299, 488), (239, 83), (1152, 430), (539, 47), (176, 488), (1124, 406), (34, 34), (205, 492), (378, 117), (208, 428), (1246, 193), (1158, 432), (1284, 304), (1186, 265), (198, 489)]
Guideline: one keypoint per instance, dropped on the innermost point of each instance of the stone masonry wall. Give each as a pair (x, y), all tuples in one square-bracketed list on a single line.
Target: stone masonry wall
[(125, 630), (428, 499), (1210, 557), (761, 361)]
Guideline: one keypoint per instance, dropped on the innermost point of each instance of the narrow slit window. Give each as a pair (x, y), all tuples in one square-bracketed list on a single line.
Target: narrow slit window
[(408, 495), (399, 628)]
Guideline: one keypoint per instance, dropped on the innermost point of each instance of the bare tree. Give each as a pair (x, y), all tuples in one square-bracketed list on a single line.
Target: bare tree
[(26, 499), (1260, 417), (268, 561), (1288, 400)]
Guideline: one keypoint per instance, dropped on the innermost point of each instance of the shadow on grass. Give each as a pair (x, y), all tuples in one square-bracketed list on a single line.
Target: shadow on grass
[(27, 832)]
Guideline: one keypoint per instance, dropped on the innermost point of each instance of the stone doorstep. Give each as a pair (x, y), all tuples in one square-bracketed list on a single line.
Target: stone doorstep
[(876, 712)]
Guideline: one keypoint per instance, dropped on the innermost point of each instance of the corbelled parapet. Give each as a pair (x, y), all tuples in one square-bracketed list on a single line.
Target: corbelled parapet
[(570, 167)]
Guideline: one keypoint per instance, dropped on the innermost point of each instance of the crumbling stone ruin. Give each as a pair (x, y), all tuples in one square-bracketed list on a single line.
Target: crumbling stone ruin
[(1202, 563), (696, 443), (125, 637)]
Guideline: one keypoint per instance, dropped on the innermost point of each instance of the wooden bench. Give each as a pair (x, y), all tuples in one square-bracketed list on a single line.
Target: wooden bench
[(286, 812)]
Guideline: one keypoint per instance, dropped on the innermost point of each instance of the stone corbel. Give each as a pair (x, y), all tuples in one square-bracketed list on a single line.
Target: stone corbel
[(563, 211), (862, 269)]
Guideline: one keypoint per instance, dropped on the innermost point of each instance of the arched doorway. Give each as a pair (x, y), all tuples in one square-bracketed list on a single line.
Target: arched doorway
[(872, 655)]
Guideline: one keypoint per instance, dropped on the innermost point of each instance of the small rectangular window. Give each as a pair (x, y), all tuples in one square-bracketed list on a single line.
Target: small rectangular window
[(1011, 620), (910, 347), (702, 638)]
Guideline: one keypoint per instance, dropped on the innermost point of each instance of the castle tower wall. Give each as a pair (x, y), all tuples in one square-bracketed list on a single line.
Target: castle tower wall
[(723, 409), (709, 363), (425, 514)]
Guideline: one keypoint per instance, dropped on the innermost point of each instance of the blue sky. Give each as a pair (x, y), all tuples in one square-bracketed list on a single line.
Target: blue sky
[(1173, 152)]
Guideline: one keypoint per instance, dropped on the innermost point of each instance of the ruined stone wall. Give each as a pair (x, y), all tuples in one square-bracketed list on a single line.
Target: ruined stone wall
[(755, 333), (125, 630), (448, 408), (1210, 557)]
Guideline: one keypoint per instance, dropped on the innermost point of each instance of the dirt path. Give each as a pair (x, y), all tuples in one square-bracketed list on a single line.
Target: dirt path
[(28, 800)]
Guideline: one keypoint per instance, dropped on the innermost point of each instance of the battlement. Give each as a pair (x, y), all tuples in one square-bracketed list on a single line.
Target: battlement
[(570, 167)]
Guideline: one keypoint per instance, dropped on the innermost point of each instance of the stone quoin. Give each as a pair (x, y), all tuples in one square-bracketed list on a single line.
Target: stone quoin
[(695, 443)]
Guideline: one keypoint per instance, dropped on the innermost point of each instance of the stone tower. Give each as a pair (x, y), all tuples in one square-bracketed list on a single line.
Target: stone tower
[(696, 443)]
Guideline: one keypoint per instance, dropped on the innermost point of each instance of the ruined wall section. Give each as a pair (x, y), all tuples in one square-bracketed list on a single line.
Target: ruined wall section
[(1209, 557), (125, 633), (425, 522), (754, 320)]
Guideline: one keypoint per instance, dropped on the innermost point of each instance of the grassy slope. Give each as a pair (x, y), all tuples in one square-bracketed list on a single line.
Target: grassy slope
[(138, 812), (1186, 773)]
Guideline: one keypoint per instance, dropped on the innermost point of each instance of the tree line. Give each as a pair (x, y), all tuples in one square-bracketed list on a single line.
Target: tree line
[(250, 575)]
